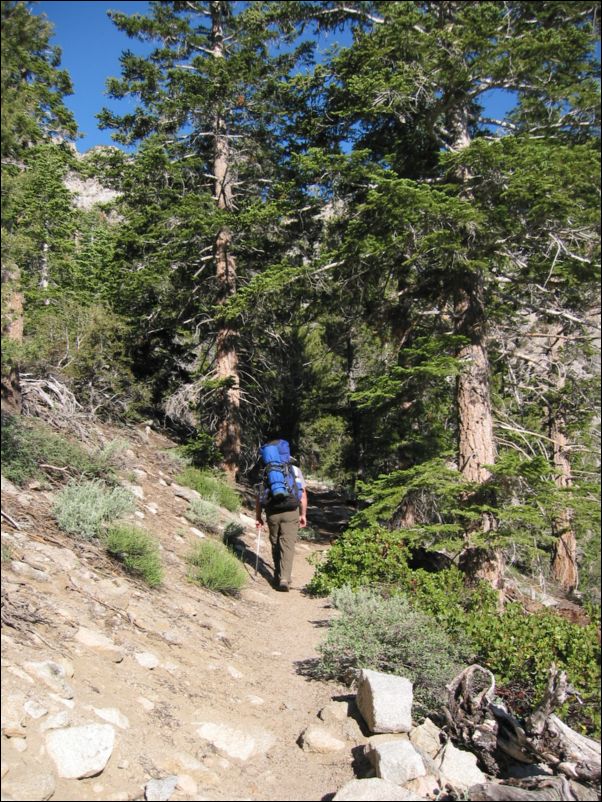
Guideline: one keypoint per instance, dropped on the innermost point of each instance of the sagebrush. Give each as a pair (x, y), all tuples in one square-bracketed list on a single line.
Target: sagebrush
[(84, 508), (211, 486)]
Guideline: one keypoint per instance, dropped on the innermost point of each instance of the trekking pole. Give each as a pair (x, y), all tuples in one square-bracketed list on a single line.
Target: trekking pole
[(259, 528)]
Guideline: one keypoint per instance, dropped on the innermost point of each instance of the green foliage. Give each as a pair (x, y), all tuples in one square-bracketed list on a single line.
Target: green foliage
[(29, 445), (361, 557), (214, 567), (232, 532), (392, 636), (211, 486), (137, 551), (84, 508), (201, 451), (324, 447), (87, 346), (518, 648)]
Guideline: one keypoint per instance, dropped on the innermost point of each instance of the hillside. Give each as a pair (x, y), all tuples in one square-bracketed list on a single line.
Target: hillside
[(86, 645)]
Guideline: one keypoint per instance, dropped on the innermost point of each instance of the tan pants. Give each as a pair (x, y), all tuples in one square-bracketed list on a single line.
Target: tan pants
[(283, 528)]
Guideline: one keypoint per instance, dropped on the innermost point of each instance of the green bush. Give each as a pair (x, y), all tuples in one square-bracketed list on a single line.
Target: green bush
[(517, 647), (212, 486), (361, 557), (388, 635), (83, 508), (26, 445), (213, 566), (204, 513), (136, 550)]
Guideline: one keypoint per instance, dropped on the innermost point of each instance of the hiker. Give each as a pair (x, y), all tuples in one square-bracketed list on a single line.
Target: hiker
[(284, 497)]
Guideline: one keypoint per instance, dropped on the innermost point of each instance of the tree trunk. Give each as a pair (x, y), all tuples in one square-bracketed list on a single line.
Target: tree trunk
[(228, 435), (564, 562), (12, 330), (476, 444)]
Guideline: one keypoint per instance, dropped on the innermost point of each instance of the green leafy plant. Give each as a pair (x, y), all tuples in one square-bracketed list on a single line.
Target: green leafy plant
[(84, 508), (389, 635), (211, 486), (213, 566), (137, 551)]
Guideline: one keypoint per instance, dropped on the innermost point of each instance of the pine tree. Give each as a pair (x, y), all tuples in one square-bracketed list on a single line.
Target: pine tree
[(211, 102), (33, 88)]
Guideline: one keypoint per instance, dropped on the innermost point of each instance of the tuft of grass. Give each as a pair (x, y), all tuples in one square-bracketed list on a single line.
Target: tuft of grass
[(211, 486), (84, 508), (213, 566), (138, 552), (27, 445)]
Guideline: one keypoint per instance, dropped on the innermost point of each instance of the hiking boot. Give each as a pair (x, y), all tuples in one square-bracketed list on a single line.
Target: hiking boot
[(283, 586)]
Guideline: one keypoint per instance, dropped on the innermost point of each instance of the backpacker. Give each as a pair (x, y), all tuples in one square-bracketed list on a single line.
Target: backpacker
[(282, 489)]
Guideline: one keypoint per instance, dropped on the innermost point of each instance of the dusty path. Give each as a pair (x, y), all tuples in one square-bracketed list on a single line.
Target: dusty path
[(172, 663)]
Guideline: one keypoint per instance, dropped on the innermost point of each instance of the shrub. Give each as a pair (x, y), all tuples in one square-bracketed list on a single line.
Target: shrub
[(136, 550), (362, 557), (28, 445), (213, 566), (212, 486), (203, 512), (388, 635), (233, 532), (83, 508)]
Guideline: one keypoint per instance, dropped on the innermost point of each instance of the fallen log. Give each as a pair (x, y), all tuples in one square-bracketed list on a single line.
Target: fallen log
[(536, 789), (499, 739)]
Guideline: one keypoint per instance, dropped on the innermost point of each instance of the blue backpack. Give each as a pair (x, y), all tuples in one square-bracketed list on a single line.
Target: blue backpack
[(283, 491)]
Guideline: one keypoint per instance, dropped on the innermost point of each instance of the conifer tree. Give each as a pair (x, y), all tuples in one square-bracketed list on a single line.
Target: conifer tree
[(33, 111), (211, 101)]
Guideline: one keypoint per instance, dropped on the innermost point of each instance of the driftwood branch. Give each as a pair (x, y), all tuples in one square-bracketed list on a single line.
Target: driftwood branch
[(501, 740)]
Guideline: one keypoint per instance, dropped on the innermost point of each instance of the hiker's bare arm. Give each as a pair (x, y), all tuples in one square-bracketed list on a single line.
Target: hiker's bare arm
[(303, 512)]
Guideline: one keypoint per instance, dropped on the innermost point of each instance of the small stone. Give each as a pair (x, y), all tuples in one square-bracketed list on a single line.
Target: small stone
[(187, 785), (56, 721), (319, 739), (52, 674), (373, 790), (234, 672), (146, 703), (28, 571), (34, 709), (397, 761), (113, 716), (147, 660), (159, 790), (20, 744), (385, 701), (80, 752)]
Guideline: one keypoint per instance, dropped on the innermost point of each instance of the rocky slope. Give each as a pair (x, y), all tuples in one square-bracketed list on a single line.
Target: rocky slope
[(108, 686)]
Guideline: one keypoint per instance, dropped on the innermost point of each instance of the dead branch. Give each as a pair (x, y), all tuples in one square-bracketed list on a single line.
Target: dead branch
[(496, 736)]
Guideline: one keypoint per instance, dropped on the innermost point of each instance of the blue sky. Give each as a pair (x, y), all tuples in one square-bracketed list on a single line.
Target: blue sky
[(91, 46)]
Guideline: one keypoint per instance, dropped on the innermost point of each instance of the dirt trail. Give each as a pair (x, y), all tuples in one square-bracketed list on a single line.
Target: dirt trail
[(181, 661)]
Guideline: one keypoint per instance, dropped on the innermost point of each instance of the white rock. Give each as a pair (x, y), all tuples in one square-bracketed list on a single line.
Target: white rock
[(135, 490), (113, 716), (426, 738), (255, 700), (140, 514), (56, 721), (197, 532), (158, 790), (234, 742), (29, 572), (99, 642), (147, 660), (318, 739), (335, 712), (187, 762), (385, 701), (20, 744), (185, 492), (80, 752), (459, 768), (397, 761), (234, 672), (373, 790), (52, 674), (34, 709)]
